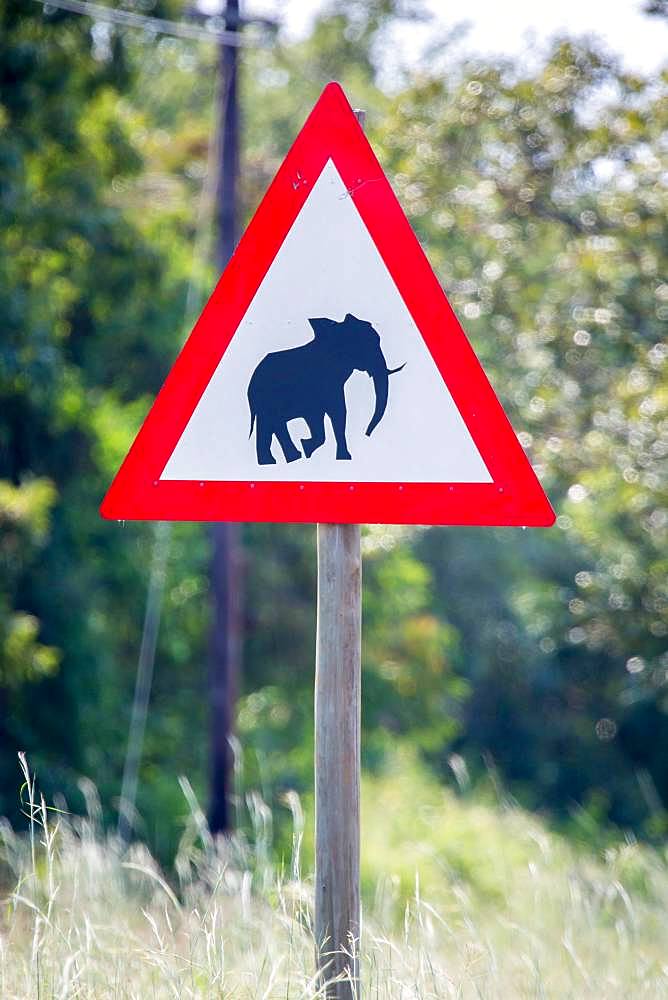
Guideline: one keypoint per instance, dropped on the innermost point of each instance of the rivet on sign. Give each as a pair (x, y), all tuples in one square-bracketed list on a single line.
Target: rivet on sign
[(451, 489), (252, 486), (351, 487), (301, 486), (400, 488), (201, 484), (500, 489), (155, 482)]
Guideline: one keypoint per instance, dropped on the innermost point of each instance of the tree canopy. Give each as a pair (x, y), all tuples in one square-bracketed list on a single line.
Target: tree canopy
[(540, 197)]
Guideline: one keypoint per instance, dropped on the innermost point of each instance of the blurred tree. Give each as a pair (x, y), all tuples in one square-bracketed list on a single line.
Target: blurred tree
[(90, 310), (551, 237), (541, 199)]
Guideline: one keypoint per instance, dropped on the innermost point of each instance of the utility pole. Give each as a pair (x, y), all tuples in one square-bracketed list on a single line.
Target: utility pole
[(226, 563), (225, 647)]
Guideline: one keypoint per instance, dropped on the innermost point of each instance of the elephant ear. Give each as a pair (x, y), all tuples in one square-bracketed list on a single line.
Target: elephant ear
[(322, 326)]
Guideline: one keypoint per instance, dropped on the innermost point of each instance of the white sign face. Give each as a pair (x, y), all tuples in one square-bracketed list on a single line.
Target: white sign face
[(328, 268)]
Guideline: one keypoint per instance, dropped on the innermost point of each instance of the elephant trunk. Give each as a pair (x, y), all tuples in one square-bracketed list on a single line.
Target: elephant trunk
[(380, 378)]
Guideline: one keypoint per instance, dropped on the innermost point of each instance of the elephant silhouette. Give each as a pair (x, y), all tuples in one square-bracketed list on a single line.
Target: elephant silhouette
[(308, 382)]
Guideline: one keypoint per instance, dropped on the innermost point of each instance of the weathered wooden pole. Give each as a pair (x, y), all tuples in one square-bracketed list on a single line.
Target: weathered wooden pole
[(338, 668), (337, 757)]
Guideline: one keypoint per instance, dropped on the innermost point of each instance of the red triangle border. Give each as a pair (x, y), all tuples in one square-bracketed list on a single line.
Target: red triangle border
[(515, 497)]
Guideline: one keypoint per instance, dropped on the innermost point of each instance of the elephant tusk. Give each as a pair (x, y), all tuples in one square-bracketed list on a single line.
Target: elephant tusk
[(393, 371)]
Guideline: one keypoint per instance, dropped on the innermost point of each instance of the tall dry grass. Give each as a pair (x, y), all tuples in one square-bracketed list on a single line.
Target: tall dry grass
[(498, 908)]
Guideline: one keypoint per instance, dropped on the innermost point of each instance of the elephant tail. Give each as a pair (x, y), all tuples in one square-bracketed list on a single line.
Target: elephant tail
[(252, 423)]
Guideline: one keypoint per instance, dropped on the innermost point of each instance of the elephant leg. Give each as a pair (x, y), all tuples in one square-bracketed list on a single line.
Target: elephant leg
[(337, 413), (263, 438), (291, 453), (316, 425)]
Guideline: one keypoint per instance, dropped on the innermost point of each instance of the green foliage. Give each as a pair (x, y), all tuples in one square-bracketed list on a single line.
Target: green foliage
[(541, 200), (24, 522), (88, 331), (411, 656), (551, 237)]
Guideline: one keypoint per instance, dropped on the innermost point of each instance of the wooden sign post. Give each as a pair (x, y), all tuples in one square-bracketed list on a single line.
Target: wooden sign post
[(337, 757)]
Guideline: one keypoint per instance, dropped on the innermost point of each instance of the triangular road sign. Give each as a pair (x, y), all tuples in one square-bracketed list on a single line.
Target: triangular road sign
[(269, 413)]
